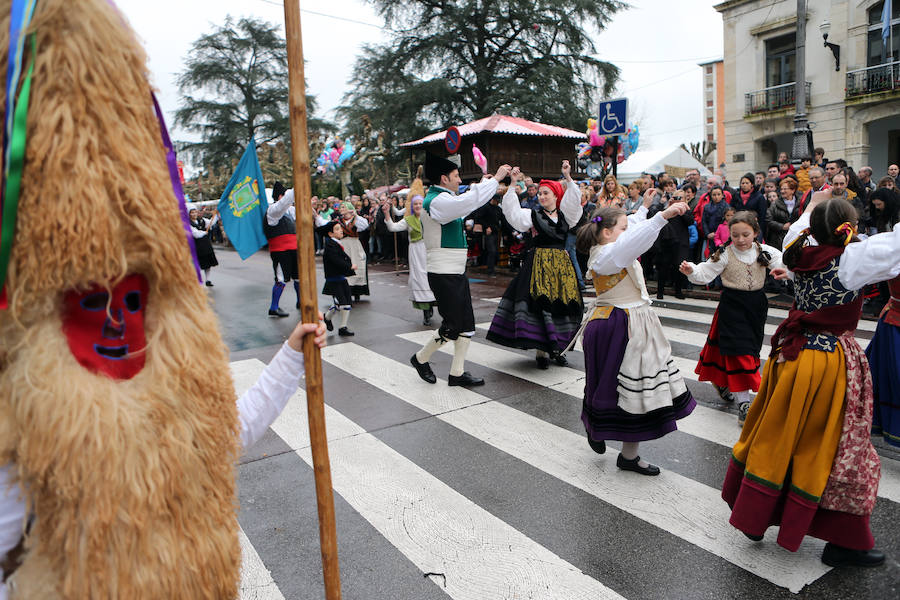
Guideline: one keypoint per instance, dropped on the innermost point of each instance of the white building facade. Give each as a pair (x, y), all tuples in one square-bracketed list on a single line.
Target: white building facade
[(853, 100)]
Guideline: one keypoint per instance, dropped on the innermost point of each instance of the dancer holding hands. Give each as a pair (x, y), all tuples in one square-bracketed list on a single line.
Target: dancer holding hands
[(730, 358), (633, 392), (542, 307)]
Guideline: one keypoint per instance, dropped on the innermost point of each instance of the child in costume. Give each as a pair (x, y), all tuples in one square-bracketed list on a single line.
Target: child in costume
[(338, 267), (206, 256), (419, 293), (730, 357), (352, 224), (542, 307), (805, 461), (120, 426), (884, 359), (633, 391)]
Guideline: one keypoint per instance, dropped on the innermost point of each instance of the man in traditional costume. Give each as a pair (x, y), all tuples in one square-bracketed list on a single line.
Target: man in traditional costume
[(281, 230), (119, 428), (446, 250)]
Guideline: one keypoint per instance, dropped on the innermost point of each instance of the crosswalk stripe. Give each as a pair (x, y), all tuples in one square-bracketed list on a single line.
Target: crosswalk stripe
[(438, 529), (674, 503), (699, 317), (689, 305), (706, 423), (256, 580)]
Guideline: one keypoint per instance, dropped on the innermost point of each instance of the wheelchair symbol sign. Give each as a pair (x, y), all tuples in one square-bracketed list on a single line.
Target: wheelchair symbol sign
[(612, 117)]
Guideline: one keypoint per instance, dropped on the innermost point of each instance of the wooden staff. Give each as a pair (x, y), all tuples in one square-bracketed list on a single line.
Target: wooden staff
[(309, 306)]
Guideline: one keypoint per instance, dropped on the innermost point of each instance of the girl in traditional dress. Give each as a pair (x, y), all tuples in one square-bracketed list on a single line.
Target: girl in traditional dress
[(352, 224), (206, 256), (419, 292), (884, 358), (338, 267), (805, 460), (730, 358), (633, 391), (542, 307)]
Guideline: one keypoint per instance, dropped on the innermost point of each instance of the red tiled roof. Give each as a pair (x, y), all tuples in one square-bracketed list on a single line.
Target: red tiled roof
[(503, 124)]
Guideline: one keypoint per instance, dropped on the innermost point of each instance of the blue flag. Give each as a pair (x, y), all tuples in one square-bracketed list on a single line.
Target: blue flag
[(243, 205), (886, 20)]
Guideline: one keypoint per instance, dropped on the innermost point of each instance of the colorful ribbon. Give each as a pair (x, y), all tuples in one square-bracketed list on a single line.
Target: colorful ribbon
[(15, 122), (176, 185), (847, 230)]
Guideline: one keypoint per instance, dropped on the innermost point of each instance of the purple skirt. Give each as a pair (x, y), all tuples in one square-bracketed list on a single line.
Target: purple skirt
[(604, 347)]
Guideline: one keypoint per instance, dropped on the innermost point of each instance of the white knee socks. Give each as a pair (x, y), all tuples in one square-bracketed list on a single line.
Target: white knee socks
[(345, 316), (742, 397), (424, 355), (329, 314), (460, 347)]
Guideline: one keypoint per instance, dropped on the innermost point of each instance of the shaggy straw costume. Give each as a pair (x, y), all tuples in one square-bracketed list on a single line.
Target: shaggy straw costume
[(131, 481)]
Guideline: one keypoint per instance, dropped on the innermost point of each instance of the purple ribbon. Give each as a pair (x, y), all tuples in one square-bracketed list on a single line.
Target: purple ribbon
[(176, 185)]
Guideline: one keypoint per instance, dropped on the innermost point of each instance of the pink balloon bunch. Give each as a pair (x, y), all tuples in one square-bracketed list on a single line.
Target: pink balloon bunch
[(480, 159)]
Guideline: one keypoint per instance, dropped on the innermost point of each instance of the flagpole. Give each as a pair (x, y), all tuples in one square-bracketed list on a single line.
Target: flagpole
[(309, 306)]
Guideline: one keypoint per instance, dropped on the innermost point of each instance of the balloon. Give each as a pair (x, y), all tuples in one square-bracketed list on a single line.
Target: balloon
[(480, 159), (346, 153)]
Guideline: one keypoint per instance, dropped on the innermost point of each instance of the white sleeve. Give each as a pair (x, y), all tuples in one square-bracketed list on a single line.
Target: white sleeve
[(518, 218), (638, 216), (570, 205), (796, 230), (708, 270), (361, 223), (278, 209), (446, 207), (775, 253), (873, 260), (631, 243), (198, 233), (397, 226), (12, 512), (398, 212), (319, 220), (261, 404)]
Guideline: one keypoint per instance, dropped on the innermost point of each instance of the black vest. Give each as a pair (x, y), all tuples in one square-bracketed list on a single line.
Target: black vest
[(285, 226)]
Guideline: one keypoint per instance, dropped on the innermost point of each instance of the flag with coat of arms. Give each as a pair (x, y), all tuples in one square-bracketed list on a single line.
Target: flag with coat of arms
[(243, 205)]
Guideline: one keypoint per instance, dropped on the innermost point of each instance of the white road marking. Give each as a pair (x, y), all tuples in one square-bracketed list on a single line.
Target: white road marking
[(674, 503), (256, 580), (435, 527)]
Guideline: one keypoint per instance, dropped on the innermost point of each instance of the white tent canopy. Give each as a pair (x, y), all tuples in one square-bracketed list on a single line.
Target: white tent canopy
[(674, 162)]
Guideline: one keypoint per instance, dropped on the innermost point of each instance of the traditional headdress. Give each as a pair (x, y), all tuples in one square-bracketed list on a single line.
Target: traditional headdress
[(555, 187), (278, 190), (435, 166)]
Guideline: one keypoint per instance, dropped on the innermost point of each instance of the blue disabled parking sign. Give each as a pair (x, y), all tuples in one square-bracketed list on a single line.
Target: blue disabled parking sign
[(612, 117)]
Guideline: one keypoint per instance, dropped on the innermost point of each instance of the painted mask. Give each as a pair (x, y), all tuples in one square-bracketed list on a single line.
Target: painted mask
[(105, 329)]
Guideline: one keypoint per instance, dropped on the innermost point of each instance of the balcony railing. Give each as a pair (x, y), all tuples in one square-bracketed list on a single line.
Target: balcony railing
[(871, 80), (773, 98)]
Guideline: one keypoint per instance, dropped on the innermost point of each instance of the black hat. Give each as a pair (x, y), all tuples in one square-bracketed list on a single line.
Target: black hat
[(278, 190), (324, 230), (435, 166)]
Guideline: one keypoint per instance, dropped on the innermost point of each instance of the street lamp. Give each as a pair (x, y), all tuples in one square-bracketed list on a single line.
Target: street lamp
[(825, 28)]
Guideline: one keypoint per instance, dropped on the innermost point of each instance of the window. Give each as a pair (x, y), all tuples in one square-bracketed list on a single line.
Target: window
[(709, 103), (781, 54), (877, 50), (709, 69)]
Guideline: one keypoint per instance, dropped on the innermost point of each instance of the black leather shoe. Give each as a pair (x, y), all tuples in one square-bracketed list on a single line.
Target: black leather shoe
[(634, 465), (837, 556), (598, 447), (344, 332), (543, 362), (561, 360), (679, 295), (464, 380), (659, 296), (328, 324), (423, 369), (755, 538), (209, 283), (278, 313)]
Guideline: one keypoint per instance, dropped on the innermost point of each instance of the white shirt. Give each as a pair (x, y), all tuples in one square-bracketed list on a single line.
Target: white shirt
[(709, 270), (258, 408), (520, 218), (285, 205), (199, 233), (877, 258), (609, 259)]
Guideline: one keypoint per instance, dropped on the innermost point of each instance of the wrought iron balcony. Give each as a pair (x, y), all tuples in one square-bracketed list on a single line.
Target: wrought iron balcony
[(872, 80), (774, 98)]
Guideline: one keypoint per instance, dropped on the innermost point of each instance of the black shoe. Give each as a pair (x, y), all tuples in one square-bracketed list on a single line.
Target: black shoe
[(344, 332), (543, 362), (561, 360), (634, 465), (837, 556), (679, 295), (356, 298), (724, 393), (423, 369), (328, 324), (598, 447), (755, 538), (209, 283), (464, 380), (278, 313)]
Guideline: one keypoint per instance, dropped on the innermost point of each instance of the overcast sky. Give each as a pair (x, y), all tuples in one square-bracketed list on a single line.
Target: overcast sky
[(656, 44)]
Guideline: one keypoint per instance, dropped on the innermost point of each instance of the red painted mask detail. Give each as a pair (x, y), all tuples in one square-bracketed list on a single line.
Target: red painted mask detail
[(105, 329)]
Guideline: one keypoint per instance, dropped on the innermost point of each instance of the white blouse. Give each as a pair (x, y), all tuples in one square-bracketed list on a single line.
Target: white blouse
[(609, 259), (709, 270), (520, 218)]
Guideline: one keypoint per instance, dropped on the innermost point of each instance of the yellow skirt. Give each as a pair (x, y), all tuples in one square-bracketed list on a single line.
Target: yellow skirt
[(553, 278)]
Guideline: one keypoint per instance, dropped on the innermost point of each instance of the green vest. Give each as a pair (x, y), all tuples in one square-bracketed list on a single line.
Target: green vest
[(415, 228), (453, 234)]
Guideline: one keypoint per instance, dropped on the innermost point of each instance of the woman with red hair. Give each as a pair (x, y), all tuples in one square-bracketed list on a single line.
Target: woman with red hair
[(541, 308)]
